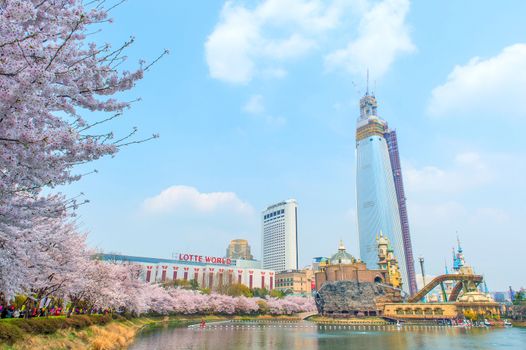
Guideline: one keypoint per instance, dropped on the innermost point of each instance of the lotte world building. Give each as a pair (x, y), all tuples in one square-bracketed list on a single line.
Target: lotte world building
[(381, 203)]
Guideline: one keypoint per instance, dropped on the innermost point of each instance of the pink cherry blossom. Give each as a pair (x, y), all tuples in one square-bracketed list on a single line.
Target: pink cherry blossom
[(56, 93)]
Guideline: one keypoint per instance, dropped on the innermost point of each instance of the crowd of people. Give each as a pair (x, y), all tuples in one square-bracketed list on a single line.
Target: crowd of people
[(12, 311)]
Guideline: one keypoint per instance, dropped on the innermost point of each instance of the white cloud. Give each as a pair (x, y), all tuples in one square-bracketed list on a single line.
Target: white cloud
[(186, 198), (228, 48), (468, 171), (492, 215), (256, 41), (307, 15), (435, 215), (254, 105), (479, 197), (273, 73), (291, 47), (383, 35), (274, 121), (436, 225), (244, 36), (484, 87)]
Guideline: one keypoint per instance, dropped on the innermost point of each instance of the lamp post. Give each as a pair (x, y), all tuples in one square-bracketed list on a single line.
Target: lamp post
[(421, 260)]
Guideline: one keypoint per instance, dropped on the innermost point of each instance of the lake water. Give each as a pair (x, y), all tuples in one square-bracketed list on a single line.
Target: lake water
[(308, 336)]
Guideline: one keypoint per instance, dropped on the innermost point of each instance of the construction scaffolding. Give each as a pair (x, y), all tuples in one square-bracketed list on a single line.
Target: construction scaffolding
[(392, 144)]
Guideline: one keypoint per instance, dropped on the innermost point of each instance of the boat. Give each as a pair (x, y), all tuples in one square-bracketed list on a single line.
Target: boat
[(487, 323), (507, 323)]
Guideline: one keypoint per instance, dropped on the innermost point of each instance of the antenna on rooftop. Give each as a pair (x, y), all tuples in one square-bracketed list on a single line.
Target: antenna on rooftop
[(367, 91)]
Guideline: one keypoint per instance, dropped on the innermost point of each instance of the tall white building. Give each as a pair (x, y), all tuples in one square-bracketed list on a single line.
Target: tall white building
[(280, 236), (378, 210)]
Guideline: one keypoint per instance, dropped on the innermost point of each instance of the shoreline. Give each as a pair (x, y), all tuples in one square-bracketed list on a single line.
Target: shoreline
[(378, 321), (118, 333)]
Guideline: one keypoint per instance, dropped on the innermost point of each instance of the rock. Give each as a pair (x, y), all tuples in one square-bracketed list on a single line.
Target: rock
[(351, 298)]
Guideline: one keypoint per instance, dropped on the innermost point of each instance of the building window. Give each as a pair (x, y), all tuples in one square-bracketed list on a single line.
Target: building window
[(148, 275)]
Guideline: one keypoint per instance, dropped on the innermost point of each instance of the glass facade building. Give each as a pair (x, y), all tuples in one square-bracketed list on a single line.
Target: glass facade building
[(377, 201)]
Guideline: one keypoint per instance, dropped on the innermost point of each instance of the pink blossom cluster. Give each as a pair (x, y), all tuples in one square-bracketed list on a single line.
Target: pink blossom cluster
[(194, 302), (67, 270), (183, 301), (56, 92), (290, 305)]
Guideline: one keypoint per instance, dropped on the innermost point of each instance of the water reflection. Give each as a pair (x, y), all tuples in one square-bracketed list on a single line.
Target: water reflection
[(310, 337)]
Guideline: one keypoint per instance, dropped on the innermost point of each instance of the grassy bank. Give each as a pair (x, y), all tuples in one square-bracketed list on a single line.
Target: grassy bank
[(521, 324), (96, 332), (76, 332)]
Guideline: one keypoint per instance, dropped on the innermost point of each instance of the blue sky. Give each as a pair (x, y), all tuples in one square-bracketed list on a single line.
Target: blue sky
[(257, 102)]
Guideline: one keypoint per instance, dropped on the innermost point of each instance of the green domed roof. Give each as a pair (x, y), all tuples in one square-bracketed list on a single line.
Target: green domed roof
[(342, 257)]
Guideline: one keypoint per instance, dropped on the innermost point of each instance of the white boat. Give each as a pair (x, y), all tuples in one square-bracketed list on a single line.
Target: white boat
[(507, 323), (486, 323)]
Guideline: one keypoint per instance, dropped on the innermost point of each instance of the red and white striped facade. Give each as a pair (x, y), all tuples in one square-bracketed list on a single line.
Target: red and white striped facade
[(207, 275)]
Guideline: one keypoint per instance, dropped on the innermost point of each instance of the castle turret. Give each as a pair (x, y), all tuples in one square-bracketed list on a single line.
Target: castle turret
[(382, 245), (387, 261)]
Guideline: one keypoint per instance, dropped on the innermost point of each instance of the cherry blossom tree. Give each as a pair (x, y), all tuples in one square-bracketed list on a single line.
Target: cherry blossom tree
[(246, 305), (57, 95), (54, 82)]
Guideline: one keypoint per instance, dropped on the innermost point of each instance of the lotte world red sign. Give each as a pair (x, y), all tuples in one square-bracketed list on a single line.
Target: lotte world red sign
[(204, 259)]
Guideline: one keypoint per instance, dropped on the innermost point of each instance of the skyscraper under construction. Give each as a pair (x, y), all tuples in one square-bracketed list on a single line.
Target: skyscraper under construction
[(381, 203)]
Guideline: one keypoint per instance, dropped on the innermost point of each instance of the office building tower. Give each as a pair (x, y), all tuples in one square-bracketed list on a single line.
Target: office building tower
[(239, 249), (379, 198), (280, 236)]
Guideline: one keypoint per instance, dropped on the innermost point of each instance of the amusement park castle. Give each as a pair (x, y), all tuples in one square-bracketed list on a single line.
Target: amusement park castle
[(346, 287)]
